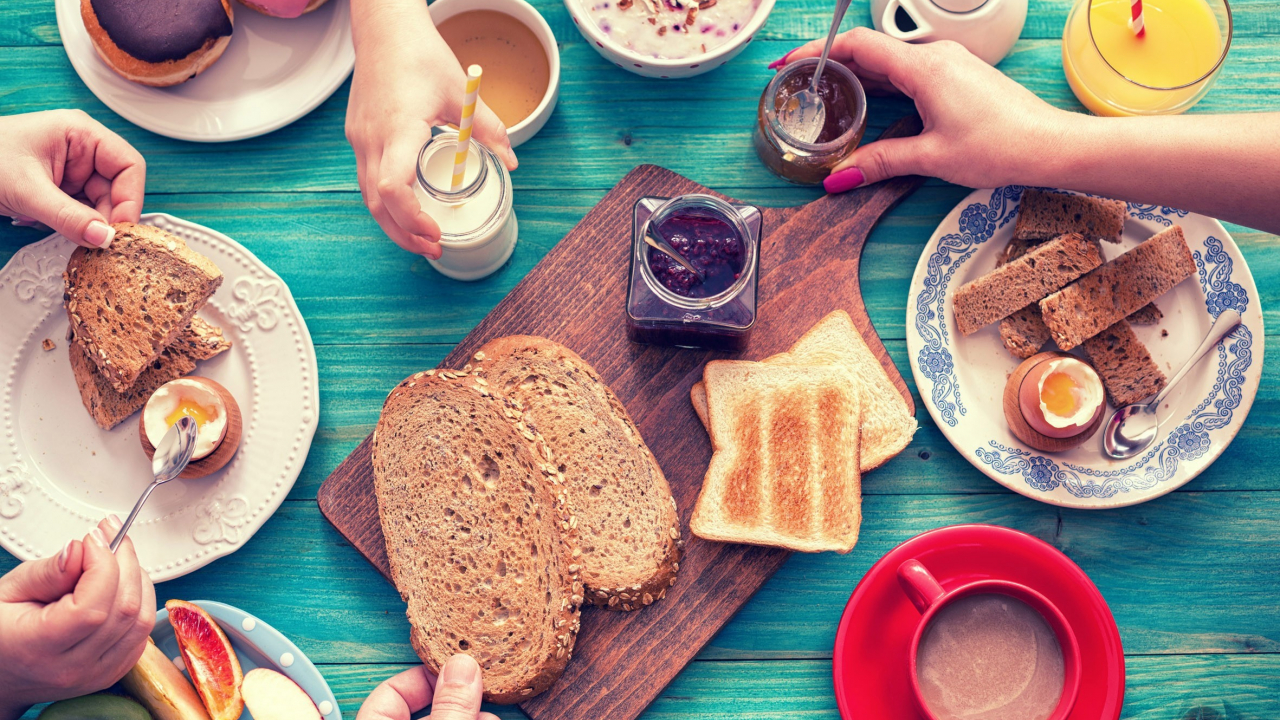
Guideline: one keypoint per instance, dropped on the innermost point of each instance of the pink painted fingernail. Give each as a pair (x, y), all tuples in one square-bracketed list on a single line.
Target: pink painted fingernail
[(98, 537), (781, 61), (113, 522), (843, 181), (99, 234), (62, 556)]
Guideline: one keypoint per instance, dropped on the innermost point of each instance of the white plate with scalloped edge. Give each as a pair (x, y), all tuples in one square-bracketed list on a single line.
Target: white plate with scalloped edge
[(962, 379), (60, 473), (274, 71)]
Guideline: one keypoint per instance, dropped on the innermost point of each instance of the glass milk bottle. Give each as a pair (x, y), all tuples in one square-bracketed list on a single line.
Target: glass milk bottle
[(478, 228)]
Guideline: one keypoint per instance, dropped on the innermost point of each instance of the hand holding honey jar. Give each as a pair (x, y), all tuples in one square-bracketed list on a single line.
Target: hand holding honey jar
[(982, 129)]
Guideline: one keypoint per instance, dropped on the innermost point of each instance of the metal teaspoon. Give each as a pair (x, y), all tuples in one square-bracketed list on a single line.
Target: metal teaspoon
[(169, 461)]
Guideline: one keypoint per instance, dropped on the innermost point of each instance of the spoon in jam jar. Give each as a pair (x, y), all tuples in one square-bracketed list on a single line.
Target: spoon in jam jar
[(804, 114), (652, 240)]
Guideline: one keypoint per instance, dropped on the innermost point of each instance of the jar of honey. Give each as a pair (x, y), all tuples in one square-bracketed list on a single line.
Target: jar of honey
[(794, 159), (714, 309)]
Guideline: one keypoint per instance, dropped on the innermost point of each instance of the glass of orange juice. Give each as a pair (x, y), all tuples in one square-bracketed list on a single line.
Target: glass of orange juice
[(1167, 70)]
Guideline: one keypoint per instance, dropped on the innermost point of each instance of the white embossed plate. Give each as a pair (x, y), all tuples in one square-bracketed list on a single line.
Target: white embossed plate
[(961, 379), (60, 473), (274, 71)]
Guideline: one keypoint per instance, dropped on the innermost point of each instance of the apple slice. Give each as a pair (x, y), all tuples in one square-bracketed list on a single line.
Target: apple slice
[(162, 689), (272, 696), (211, 662)]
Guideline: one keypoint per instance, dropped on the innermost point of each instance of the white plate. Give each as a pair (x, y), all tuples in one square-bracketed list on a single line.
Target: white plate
[(962, 379), (60, 473), (274, 71)]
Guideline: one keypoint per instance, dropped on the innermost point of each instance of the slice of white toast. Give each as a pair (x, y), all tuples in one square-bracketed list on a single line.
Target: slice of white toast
[(887, 426), (785, 471)]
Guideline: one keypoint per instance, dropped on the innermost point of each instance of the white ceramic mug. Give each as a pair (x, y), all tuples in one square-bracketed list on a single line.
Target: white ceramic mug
[(988, 28)]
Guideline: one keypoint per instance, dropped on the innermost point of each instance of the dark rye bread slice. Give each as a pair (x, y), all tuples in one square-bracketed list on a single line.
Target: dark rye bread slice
[(108, 407), (1024, 332), (627, 522), (1019, 283), (1126, 368), (128, 302), (480, 540), (1110, 293), (1043, 215)]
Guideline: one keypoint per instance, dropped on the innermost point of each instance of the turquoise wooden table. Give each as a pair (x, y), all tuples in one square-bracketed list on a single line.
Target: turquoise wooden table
[(1193, 578)]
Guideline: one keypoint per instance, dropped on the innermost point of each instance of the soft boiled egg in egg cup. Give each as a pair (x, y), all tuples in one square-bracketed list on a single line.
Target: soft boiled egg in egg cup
[(217, 416), (1054, 401)]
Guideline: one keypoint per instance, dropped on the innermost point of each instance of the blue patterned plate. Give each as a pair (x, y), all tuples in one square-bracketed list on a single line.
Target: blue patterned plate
[(961, 379)]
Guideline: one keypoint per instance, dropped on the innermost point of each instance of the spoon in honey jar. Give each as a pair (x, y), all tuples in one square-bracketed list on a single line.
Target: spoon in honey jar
[(652, 240), (804, 114)]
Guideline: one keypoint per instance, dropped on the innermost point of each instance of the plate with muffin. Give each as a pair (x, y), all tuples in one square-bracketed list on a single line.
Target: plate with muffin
[(209, 70), (101, 351), (1034, 314)]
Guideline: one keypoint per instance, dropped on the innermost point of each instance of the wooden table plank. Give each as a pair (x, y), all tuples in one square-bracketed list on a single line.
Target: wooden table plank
[(605, 139), (32, 22), (1186, 574)]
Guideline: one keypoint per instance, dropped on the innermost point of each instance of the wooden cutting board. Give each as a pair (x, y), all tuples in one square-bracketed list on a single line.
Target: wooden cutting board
[(576, 296)]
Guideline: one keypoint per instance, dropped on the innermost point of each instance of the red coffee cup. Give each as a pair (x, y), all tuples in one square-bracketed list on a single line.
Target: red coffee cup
[(929, 598)]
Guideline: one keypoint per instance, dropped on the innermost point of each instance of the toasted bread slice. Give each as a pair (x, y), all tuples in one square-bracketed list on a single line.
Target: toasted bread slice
[(1020, 282), (1043, 215), (627, 521), (887, 426), (127, 303), (480, 540), (1125, 365), (108, 407), (1112, 292), (785, 468)]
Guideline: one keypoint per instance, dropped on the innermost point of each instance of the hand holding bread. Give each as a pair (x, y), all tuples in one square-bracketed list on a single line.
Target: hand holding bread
[(66, 170)]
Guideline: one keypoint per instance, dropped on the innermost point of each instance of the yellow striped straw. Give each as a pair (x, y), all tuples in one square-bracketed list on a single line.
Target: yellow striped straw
[(464, 127)]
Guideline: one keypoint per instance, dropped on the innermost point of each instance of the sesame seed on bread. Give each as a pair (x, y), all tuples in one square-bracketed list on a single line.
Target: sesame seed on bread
[(130, 301)]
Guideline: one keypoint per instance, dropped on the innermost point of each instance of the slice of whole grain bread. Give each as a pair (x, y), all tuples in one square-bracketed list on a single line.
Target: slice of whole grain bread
[(108, 407), (1043, 215), (887, 426), (1110, 293), (1126, 368), (479, 536), (127, 303), (627, 523), (1024, 332), (1022, 281), (785, 466)]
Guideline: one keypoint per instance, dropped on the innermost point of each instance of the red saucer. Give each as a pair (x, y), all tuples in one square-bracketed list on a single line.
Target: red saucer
[(870, 658)]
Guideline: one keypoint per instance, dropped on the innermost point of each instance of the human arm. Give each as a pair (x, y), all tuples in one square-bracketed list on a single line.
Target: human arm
[(982, 129), (66, 170), (406, 81), (455, 696), (72, 624)]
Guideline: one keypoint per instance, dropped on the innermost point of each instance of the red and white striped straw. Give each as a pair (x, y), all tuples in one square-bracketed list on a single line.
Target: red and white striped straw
[(1135, 19)]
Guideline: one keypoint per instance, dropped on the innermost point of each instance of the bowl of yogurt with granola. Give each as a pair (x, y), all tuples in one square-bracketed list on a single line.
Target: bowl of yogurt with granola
[(669, 38)]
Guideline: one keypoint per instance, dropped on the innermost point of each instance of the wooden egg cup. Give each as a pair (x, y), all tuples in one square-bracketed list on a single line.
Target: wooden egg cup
[(226, 449), (1018, 424)]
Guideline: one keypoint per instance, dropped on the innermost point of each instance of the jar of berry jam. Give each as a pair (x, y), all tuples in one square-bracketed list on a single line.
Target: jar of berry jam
[(667, 304), (794, 159)]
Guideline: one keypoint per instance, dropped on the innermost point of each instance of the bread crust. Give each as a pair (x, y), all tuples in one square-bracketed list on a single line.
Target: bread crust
[(640, 589), (506, 422), (165, 74)]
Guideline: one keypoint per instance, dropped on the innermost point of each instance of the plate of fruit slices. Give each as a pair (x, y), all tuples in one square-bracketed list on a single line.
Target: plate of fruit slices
[(225, 664)]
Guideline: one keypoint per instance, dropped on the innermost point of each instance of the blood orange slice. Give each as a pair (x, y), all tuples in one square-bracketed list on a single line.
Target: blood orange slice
[(210, 660)]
